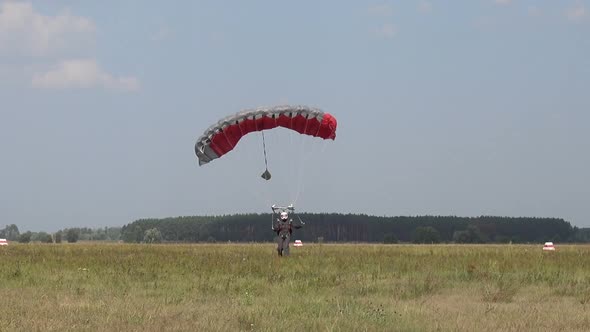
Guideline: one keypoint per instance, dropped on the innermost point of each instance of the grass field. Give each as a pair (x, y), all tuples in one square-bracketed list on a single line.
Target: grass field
[(230, 287)]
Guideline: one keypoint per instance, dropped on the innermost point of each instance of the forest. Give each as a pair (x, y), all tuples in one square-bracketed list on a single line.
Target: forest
[(319, 227), (357, 228)]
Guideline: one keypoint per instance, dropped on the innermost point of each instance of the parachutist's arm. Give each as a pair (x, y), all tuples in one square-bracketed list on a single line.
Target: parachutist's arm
[(295, 226), (301, 223)]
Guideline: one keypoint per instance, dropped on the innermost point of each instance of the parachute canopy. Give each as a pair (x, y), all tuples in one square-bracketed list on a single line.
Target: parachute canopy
[(223, 136)]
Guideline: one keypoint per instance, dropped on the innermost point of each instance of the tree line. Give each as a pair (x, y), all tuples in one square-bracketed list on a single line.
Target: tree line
[(357, 228), (71, 235), (332, 227)]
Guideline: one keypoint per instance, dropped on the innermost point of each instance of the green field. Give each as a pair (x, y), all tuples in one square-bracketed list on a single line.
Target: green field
[(330, 287)]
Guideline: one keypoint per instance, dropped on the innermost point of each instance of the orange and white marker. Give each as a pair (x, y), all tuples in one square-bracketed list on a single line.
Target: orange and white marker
[(549, 246), (298, 243), (3, 242)]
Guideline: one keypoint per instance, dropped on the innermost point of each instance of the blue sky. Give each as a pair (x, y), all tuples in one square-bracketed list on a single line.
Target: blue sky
[(467, 108)]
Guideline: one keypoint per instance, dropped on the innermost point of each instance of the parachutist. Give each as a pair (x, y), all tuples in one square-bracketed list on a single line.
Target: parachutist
[(283, 226)]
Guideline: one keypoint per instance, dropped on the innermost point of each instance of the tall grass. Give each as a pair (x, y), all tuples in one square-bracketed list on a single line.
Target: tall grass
[(245, 287)]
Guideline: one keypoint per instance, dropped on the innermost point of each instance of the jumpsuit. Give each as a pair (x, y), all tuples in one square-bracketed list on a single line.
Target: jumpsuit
[(284, 230)]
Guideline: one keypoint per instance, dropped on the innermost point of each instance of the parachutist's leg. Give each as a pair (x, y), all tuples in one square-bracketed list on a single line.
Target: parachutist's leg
[(279, 246), (286, 246), (283, 245)]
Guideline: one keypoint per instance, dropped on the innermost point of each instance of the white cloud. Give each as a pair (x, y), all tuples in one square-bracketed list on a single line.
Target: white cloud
[(24, 31), (84, 73), (381, 10), (386, 30), (425, 7), (576, 13)]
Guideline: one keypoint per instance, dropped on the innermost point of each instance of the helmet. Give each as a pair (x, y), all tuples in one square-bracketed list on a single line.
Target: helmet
[(284, 216)]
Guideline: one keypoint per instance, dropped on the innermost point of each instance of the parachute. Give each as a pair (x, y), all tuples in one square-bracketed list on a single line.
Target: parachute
[(223, 136)]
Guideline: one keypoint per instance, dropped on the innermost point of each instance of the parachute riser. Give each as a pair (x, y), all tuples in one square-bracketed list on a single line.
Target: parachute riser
[(266, 174)]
